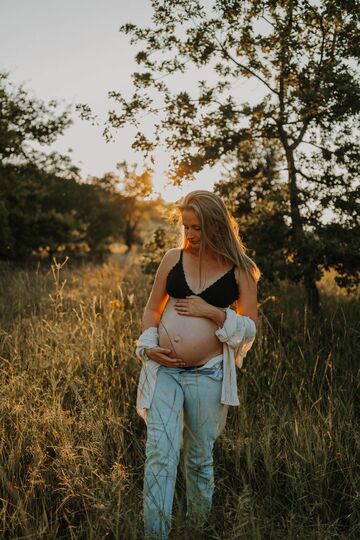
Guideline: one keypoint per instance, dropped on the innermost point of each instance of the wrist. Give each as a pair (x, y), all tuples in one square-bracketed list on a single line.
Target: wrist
[(148, 340), (217, 315)]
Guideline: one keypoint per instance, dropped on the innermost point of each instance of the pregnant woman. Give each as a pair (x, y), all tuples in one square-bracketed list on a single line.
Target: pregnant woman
[(190, 344)]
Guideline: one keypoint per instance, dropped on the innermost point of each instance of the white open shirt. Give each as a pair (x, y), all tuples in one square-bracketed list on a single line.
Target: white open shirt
[(237, 336)]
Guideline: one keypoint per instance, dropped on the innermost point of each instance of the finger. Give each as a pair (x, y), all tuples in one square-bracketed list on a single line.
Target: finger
[(176, 362), (178, 365), (166, 358), (180, 362)]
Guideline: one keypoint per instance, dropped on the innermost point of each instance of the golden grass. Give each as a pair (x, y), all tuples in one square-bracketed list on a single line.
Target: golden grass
[(72, 446)]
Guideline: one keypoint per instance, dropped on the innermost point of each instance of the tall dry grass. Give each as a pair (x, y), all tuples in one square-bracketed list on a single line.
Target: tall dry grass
[(72, 446)]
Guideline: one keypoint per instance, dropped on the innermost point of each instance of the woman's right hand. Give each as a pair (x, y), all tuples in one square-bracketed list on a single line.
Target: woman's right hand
[(161, 356)]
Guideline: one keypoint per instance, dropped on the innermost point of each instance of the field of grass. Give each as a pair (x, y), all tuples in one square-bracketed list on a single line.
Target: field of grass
[(72, 445)]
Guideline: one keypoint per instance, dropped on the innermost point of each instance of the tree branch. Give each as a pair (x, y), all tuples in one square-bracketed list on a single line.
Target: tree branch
[(321, 24), (298, 139), (246, 68), (317, 181), (317, 146)]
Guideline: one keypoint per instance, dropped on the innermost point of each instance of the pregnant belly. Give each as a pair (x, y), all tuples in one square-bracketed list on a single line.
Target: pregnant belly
[(192, 339)]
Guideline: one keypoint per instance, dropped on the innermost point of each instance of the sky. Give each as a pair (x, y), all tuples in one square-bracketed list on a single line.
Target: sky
[(72, 51)]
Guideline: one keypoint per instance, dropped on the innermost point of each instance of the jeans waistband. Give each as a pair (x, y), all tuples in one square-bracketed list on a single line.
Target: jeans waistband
[(213, 362), (198, 366)]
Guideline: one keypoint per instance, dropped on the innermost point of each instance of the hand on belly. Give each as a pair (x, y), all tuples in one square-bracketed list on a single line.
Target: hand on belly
[(191, 306), (191, 338)]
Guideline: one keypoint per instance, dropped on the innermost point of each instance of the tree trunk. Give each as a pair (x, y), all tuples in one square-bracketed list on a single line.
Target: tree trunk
[(302, 255), (130, 234), (312, 293)]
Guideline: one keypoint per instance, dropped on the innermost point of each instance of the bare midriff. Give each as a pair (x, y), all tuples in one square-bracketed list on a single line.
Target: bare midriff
[(192, 339)]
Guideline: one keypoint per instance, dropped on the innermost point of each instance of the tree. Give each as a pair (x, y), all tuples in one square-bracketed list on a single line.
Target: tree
[(257, 197), (134, 188), (23, 170), (44, 206), (96, 212), (42, 212), (25, 120), (304, 55)]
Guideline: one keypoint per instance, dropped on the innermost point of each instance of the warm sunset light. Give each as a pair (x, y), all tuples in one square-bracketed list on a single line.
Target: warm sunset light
[(189, 370), (93, 59)]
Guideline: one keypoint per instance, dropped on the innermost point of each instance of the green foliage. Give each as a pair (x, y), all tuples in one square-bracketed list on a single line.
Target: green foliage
[(258, 199), (304, 57), (25, 120), (162, 240), (135, 187), (45, 208), (43, 213)]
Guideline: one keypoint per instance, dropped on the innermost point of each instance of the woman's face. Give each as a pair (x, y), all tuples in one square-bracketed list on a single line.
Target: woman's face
[(192, 227)]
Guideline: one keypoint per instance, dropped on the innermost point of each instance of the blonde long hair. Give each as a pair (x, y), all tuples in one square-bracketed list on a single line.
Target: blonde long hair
[(219, 230)]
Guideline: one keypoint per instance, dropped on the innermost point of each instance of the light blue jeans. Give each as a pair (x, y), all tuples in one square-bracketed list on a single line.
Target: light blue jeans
[(196, 394)]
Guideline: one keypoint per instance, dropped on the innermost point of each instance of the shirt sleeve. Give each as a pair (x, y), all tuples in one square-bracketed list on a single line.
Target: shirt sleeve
[(238, 332), (148, 339)]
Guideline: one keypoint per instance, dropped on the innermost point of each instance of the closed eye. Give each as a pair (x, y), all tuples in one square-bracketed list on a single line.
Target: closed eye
[(196, 228)]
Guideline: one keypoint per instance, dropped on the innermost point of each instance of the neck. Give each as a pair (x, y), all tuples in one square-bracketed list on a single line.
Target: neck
[(208, 254)]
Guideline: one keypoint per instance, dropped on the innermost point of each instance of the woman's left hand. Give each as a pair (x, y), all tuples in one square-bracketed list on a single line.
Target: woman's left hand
[(193, 306)]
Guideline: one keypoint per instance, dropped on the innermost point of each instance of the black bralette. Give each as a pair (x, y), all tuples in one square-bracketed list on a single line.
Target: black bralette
[(222, 293)]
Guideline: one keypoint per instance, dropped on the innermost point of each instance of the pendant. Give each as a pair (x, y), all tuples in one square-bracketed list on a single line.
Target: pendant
[(176, 339)]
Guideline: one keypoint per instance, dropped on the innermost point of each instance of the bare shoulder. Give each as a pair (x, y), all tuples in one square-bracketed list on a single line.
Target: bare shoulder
[(170, 258), (172, 253), (158, 296)]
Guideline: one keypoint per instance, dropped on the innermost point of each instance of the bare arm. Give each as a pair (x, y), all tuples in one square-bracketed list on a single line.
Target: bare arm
[(155, 306), (158, 296), (151, 316), (247, 301)]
